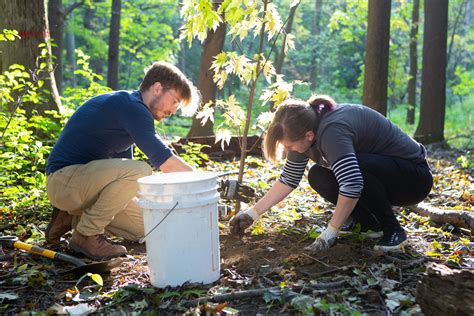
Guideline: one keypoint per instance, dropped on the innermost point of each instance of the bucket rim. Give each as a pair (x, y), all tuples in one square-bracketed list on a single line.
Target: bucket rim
[(177, 177)]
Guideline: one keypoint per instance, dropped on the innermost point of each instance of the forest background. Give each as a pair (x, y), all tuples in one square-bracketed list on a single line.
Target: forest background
[(411, 60), (310, 47)]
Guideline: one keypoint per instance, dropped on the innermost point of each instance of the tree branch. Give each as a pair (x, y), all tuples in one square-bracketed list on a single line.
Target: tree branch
[(461, 218), (70, 8), (258, 292)]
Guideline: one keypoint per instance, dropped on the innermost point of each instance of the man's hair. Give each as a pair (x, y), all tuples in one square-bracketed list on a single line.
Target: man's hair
[(170, 77)]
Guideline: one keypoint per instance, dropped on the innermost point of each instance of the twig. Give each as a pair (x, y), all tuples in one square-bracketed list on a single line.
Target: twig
[(258, 292), (317, 260)]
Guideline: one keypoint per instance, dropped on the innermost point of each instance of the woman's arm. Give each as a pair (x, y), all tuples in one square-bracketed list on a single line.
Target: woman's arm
[(344, 207), (278, 192)]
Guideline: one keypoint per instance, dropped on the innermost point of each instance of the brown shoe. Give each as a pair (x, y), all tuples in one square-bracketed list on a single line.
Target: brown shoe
[(59, 224), (95, 247)]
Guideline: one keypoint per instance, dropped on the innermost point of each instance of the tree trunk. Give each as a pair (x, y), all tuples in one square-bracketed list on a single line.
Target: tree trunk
[(114, 36), (56, 18), (313, 77), (433, 76), (71, 53), (29, 18), (289, 25), (444, 291), (213, 45), (376, 55), (413, 55)]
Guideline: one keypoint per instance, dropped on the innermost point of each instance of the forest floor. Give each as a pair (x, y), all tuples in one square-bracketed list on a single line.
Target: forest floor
[(265, 271)]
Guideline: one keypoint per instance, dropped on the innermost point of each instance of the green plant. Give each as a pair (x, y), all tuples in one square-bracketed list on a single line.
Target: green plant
[(193, 154)]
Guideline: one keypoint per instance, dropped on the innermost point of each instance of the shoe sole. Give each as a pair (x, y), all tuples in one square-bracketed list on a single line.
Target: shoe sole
[(398, 248), (369, 234)]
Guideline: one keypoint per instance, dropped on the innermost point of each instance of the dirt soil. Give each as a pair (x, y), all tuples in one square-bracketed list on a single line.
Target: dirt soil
[(348, 278)]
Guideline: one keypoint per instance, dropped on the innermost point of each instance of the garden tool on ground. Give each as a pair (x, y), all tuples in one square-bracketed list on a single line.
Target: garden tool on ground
[(80, 266), (233, 190)]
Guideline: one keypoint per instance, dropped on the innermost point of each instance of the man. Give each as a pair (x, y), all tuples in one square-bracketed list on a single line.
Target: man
[(91, 177)]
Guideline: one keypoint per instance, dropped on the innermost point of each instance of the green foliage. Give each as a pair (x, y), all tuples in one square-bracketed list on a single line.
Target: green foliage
[(8, 35), (245, 19), (147, 34), (97, 278), (22, 160), (193, 155), (75, 96), (23, 149)]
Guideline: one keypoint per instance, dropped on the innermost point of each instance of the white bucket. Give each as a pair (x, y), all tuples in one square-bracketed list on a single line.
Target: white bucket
[(185, 246)]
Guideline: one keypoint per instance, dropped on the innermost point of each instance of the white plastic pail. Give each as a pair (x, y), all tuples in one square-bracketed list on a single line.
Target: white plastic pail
[(185, 246)]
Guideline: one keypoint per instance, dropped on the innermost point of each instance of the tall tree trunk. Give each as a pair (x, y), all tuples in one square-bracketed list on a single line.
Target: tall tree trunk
[(413, 55), (212, 46), (57, 15), (114, 37), (376, 55), (313, 77), (433, 76), (56, 18), (29, 18), (288, 27), (71, 53)]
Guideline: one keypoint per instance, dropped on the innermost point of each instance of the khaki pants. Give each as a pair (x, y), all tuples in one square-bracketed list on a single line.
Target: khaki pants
[(101, 196)]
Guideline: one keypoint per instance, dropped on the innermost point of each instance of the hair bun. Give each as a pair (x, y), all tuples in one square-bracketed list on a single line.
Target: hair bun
[(322, 103)]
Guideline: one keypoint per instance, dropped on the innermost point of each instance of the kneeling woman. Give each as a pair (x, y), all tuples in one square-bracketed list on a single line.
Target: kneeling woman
[(364, 165)]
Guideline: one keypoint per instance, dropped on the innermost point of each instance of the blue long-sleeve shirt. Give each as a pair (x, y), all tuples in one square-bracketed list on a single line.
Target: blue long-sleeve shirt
[(107, 126)]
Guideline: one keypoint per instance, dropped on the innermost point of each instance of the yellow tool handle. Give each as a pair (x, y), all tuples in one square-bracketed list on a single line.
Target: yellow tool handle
[(35, 249)]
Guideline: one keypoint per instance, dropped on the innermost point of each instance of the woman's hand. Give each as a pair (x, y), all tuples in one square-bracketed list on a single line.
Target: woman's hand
[(324, 241), (243, 220)]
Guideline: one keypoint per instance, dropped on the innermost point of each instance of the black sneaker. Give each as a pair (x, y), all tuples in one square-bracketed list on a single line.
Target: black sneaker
[(394, 241), (351, 227)]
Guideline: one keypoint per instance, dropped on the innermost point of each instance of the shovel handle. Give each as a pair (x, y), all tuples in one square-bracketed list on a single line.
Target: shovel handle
[(48, 253)]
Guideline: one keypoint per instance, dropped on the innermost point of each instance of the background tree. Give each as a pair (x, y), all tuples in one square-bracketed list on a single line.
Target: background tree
[(30, 20), (57, 15), (413, 55), (318, 8), (282, 53), (433, 77), (213, 45), (376, 55), (114, 38)]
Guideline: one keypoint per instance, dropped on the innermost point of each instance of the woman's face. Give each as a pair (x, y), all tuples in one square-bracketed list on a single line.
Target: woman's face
[(301, 145)]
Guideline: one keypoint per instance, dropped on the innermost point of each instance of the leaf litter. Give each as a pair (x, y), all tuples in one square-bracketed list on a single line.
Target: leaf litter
[(267, 270)]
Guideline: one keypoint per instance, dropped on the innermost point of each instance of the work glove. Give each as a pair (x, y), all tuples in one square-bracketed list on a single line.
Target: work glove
[(233, 190), (243, 220), (325, 240)]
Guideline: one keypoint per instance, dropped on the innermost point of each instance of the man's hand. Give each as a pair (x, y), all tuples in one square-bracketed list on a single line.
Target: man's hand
[(233, 190), (243, 220), (325, 240)]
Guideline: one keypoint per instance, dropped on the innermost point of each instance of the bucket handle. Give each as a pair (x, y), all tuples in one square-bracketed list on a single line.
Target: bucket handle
[(169, 212)]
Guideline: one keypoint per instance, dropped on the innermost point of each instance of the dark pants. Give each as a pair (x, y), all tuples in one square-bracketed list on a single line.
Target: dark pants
[(388, 181)]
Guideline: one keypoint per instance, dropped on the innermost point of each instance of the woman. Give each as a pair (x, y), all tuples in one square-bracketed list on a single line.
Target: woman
[(364, 165)]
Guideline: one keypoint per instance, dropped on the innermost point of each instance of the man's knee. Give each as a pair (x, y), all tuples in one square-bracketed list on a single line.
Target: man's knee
[(143, 168)]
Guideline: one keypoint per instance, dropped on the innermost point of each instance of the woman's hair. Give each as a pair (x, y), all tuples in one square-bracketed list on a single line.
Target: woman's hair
[(170, 77), (293, 119)]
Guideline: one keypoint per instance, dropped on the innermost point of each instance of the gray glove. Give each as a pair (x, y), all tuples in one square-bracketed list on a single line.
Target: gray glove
[(243, 220), (324, 241), (233, 190)]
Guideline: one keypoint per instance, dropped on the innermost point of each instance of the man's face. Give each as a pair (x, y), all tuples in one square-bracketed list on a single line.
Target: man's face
[(165, 102)]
